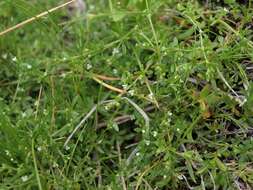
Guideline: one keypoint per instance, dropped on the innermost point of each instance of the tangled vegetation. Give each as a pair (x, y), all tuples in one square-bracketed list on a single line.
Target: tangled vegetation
[(133, 94)]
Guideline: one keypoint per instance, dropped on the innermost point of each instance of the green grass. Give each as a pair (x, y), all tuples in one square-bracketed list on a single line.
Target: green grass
[(186, 68)]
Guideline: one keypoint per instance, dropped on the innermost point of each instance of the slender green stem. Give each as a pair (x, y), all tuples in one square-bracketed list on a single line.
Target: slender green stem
[(36, 167)]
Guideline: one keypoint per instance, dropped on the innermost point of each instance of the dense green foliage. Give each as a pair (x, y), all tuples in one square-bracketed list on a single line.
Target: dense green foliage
[(187, 70)]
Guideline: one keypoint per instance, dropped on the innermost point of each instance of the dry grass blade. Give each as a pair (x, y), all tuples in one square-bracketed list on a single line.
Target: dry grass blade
[(80, 124), (85, 118), (141, 111), (103, 77), (109, 86), (35, 18), (124, 118)]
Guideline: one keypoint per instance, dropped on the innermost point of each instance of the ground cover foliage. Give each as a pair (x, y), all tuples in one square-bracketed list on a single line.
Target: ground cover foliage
[(162, 90)]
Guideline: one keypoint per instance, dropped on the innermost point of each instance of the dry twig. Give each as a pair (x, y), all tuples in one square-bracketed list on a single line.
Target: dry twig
[(35, 18)]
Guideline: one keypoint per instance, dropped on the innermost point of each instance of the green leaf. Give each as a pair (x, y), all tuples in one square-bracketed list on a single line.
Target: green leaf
[(190, 170), (229, 1), (115, 127), (220, 164), (118, 16)]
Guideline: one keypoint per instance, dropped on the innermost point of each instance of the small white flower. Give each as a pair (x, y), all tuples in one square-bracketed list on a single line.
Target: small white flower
[(67, 147), (165, 176), (39, 148), (147, 143), (137, 154), (180, 177), (225, 9), (28, 66), (14, 59), (151, 96), (115, 71), (131, 92), (24, 178), (115, 51), (155, 133), (143, 131), (88, 66), (178, 129), (7, 152), (125, 86)]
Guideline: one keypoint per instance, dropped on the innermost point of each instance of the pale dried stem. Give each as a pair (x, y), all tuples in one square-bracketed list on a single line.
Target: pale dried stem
[(19, 25)]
